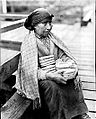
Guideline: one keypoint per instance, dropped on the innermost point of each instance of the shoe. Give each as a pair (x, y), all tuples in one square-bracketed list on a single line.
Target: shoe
[(84, 116)]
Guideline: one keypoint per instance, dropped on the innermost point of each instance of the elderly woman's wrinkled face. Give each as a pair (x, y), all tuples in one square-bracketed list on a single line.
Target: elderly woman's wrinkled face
[(43, 28)]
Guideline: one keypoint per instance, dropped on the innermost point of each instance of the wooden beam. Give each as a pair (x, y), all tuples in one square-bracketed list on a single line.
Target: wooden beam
[(5, 86), (8, 68), (91, 105), (88, 86), (16, 24), (15, 107), (89, 95), (86, 73), (4, 6), (13, 45), (86, 67), (88, 79), (13, 16)]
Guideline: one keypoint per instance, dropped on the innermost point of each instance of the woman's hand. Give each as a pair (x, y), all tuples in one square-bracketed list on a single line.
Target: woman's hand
[(68, 73), (56, 77)]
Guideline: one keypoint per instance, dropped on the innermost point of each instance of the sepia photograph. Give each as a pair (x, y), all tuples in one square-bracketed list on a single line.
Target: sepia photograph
[(47, 59)]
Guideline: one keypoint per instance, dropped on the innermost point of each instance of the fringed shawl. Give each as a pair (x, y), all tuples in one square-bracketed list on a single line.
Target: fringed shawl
[(27, 80), (62, 46)]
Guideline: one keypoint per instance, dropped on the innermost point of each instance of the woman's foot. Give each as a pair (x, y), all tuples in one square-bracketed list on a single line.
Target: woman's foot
[(83, 116)]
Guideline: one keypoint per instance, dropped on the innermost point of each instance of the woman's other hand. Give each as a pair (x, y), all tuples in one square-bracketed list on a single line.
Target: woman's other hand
[(56, 77)]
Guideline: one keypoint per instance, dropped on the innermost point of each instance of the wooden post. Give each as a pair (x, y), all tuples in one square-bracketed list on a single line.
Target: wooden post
[(4, 6), (0, 53), (81, 16)]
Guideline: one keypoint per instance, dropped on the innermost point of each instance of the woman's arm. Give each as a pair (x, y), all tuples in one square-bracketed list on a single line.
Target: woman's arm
[(66, 66), (41, 74), (53, 76)]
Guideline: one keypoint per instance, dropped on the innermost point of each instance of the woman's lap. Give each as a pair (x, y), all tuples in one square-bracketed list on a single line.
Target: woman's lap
[(63, 100)]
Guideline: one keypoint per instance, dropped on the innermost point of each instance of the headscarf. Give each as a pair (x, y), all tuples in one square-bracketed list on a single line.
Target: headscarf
[(36, 17)]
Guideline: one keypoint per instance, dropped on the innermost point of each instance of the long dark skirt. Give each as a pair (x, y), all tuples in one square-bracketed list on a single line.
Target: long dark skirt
[(60, 101)]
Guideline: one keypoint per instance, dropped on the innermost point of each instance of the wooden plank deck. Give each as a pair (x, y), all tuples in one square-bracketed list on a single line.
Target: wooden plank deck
[(83, 49), (81, 43)]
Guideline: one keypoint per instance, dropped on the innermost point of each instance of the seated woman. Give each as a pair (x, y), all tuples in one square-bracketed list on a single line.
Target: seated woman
[(47, 72)]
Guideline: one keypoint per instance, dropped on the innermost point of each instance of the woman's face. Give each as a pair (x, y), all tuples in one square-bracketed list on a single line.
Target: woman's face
[(43, 28)]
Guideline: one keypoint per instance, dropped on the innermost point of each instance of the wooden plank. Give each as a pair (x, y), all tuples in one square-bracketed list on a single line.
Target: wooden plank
[(89, 86), (89, 60), (86, 73), (7, 54), (82, 56), (92, 115), (79, 47), (15, 25), (86, 64), (86, 67), (91, 105), (80, 50), (15, 107), (13, 45), (86, 54), (88, 79), (89, 95), (8, 68), (85, 57), (12, 16), (5, 86)]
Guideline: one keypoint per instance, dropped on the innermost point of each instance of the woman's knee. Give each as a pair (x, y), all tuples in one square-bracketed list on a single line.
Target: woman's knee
[(49, 89), (48, 85)]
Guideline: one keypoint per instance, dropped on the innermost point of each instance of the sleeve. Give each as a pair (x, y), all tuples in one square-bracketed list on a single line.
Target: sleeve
[(66, 65), (41, 74)]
